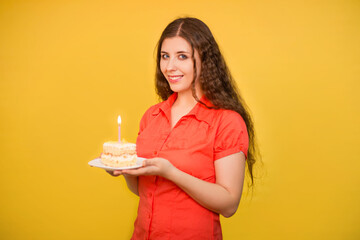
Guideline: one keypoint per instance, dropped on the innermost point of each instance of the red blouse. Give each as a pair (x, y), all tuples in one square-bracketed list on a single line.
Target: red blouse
[(196, 141)]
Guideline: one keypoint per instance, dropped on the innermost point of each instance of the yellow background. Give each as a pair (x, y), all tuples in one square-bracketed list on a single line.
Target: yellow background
[(69, 68)]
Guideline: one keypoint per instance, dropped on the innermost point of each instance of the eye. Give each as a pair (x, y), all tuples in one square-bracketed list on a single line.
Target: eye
[(183, 56), (164, 56)]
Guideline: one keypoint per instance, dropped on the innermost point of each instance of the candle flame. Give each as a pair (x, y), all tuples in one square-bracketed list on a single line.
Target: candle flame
[(119, 120)]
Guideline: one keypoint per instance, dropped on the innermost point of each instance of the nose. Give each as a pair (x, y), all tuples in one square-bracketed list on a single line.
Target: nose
[(171, 64)]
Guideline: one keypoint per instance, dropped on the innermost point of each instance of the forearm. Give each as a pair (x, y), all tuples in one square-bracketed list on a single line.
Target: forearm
[(210, 195), (132, 183), (222, 197)]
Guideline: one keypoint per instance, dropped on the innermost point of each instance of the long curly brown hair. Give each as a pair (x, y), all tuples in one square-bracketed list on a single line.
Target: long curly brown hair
[(215, 78)]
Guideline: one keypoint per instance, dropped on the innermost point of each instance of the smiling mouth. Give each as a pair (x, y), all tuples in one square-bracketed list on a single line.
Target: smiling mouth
[(175, 78)]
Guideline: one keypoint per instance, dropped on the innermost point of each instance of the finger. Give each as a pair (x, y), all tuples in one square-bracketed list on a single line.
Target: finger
[(114, 173), (133, 172), (117, 172), (149, 162), (136, 172)]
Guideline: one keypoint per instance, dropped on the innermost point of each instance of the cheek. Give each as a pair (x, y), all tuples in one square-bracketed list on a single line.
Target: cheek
[(162, 67), (189, 69)]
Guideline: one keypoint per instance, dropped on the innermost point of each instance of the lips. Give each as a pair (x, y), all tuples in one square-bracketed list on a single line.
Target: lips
[(174, 78)]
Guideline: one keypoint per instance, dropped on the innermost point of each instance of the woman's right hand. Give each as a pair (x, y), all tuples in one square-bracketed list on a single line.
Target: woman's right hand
[(115, 173)]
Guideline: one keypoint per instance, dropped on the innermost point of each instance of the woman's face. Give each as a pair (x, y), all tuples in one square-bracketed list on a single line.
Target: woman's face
[(177, 65)]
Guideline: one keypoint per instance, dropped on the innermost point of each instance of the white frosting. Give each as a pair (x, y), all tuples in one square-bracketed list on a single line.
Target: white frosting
[(118, 149)]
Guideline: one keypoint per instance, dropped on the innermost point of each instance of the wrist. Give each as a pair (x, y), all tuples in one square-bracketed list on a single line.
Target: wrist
[(170, 173)]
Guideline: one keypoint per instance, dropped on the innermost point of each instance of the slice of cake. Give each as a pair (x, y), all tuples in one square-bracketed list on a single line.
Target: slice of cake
[(117, 154)]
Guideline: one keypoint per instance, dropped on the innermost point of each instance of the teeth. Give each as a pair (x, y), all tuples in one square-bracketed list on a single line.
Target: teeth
[(174, 77)]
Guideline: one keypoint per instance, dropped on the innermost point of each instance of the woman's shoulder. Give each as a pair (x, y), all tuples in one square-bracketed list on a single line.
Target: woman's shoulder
[(229, 119), (229, 115), (152, 112), (149, 115), (154, 109)]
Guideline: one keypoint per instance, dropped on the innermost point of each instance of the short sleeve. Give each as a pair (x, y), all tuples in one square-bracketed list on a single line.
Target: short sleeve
[(231, 136)]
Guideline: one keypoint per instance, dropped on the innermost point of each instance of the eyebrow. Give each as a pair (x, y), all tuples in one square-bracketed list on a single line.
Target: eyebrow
[(176, 52)]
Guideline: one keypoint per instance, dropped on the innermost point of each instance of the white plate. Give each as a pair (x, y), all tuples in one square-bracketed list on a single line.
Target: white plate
[(97, 163)]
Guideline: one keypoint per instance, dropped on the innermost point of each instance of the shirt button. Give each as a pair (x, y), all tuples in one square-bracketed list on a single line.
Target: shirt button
[(155, 152), (149, 216), (150, 194)]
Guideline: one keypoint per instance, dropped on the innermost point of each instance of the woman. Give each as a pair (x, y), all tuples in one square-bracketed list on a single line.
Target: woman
[(196, 142)]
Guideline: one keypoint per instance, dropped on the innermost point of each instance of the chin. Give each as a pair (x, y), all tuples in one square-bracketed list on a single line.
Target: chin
[(179, 88), (176, 89)]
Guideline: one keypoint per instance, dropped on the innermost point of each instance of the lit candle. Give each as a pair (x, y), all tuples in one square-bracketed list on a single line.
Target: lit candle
[(119, 123)]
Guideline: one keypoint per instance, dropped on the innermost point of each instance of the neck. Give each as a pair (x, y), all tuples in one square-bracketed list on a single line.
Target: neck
[(186, 98)]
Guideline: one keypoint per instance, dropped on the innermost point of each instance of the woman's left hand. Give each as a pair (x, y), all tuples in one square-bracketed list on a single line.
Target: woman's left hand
[(153, 166)]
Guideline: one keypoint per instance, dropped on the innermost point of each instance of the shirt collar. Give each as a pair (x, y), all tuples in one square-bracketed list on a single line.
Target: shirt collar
[(165, 106), (200, 111)]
